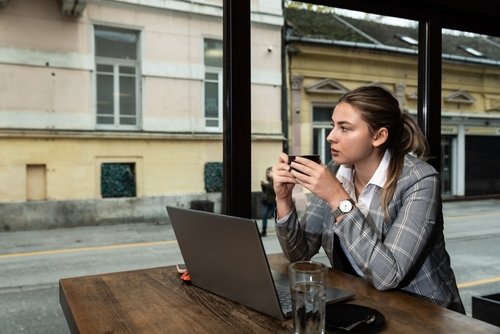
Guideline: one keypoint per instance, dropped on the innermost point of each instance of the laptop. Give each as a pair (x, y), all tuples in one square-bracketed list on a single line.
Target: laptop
[(225, 256)]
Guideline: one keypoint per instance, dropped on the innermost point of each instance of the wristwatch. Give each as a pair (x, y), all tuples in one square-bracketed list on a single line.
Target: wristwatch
[(345, 206)]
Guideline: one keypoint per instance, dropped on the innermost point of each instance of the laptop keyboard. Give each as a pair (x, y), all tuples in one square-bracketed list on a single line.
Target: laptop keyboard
[(285, 298)]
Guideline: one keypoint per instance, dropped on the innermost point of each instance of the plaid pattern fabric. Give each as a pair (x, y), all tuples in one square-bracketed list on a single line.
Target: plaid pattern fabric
[(406, 251)]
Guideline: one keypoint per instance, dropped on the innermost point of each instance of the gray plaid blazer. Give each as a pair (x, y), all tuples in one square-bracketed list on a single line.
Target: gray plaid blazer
[(406, 251)]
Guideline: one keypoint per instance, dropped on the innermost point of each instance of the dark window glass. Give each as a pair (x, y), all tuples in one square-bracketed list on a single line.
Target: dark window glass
[(127, 96), (322, 114), (115, 43), (211, 99), (213, 53), (105, 101), (481, 165), (446, 165)]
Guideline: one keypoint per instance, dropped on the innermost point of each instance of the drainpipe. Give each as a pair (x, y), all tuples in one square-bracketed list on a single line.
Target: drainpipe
[(284, 89)]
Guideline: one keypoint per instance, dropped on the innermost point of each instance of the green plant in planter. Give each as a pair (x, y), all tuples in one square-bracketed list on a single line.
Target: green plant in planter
[(213, 173)]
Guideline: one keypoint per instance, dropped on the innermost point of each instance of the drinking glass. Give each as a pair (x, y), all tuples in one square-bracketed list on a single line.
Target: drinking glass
[(307, 284)]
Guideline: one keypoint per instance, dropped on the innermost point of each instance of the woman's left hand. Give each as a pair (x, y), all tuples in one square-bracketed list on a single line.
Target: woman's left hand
[(318, 179)]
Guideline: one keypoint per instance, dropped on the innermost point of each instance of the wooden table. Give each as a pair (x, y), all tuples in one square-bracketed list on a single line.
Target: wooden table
[(156, 301)]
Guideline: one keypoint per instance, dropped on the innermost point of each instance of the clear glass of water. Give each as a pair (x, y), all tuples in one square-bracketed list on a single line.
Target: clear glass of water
[(307, 284)]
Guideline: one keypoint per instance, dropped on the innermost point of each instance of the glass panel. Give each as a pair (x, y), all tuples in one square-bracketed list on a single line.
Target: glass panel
[(105, 120), (104, 68), (127, 96), (481, 166), (127, 120), (115, 43), (212, 76), (105, 101), (322, 114), (354, 49), (211, 122), (211, 99), (127, 70), (473, 91), (213, 53), (446, 165)]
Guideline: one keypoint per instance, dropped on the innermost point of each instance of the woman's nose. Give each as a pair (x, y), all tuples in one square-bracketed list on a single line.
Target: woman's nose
[(331, 136)]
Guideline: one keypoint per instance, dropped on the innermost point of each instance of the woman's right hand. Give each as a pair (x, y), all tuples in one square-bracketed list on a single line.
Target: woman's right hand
[(283, 183)]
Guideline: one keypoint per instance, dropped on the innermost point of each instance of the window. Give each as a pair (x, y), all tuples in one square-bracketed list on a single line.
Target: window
[(322, 120), (213, 84), (118, 180), (117, 79)]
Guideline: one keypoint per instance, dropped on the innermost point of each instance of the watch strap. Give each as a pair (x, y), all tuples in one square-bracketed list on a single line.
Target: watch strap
[(337, 213)]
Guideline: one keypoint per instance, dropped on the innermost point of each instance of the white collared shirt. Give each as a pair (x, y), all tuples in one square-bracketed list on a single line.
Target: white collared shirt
[(345, 175)]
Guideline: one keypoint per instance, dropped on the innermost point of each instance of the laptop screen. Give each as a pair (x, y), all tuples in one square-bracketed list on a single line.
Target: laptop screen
[(225, 255)]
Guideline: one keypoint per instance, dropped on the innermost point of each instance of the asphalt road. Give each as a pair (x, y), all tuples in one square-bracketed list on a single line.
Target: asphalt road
[(32, 262)]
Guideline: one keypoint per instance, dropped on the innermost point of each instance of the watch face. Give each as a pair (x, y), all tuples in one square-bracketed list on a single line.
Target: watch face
[(345, 206)]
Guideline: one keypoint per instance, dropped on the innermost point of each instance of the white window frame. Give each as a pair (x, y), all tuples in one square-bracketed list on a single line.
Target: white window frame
[(116, 63), (218, 71)]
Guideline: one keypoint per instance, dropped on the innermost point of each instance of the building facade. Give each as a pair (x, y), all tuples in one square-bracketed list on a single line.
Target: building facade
[(123, 98), (342, 53)]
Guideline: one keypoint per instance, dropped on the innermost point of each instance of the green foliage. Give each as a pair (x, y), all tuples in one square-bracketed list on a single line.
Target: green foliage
[(213, 176), (118, 180)]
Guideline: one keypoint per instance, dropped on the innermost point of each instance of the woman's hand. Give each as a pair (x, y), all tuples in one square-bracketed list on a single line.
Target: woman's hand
[(283, 180), (318, 179), (283, 183)]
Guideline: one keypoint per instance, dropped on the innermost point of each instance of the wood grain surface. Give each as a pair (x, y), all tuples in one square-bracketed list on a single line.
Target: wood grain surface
[(155, 300)]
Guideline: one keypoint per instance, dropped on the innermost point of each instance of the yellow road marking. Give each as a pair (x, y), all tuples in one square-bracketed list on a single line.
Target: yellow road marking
[(479, 282), (171, 242), (486, 214), (83, 249)]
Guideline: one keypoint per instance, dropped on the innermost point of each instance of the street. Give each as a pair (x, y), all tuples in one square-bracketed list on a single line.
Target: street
[(32, 262)]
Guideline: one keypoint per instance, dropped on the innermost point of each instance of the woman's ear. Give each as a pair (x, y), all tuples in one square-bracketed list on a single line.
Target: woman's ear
[(380, 137)]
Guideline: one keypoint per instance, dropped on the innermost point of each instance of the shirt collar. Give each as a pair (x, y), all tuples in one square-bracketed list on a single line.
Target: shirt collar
[(345, 172), (380, 174)]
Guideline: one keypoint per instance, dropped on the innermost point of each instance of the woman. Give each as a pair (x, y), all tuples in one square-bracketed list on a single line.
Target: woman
[(376, 209)]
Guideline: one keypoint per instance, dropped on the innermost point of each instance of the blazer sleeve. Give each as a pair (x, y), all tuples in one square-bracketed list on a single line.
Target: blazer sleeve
[(302, 239)]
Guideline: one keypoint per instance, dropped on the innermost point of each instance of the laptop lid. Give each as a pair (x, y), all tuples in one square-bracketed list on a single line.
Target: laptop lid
[(225, 255)]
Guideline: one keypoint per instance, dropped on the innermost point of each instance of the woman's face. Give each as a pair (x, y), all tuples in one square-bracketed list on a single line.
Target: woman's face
[(350, 139)]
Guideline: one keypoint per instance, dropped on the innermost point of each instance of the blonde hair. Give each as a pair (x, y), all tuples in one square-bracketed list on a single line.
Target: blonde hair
[(380, 109)]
